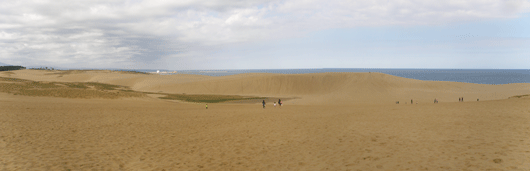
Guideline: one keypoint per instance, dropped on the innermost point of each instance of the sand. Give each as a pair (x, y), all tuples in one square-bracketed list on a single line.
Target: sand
[(339, 121)]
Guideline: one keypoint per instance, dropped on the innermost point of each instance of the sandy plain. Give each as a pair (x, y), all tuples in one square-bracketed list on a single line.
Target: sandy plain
[(334, 121)]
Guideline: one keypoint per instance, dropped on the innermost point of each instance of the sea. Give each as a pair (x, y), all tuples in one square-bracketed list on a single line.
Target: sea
[(478, 76)]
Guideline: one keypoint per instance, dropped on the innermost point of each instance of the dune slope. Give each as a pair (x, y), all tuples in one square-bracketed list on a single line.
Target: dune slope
[(42, 133)]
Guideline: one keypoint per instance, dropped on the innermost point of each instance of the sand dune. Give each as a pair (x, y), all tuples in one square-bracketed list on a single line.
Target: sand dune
[(318, 88), (341, 121)]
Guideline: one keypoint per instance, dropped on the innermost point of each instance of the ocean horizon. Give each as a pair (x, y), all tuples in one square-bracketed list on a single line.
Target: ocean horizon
[(478, 76)]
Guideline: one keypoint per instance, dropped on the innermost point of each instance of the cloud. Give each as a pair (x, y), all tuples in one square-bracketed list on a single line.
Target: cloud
[(132, 33)]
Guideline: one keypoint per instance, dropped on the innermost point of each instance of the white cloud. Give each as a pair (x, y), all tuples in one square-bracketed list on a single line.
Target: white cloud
[(126, 32)]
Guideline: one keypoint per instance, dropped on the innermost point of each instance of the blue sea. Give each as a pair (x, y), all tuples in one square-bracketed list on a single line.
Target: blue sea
[(478, 76)]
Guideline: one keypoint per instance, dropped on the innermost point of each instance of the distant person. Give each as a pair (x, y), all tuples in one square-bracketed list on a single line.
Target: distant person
[(280, 103), (459, 99), (206, 106), (274, 104), (477, 100), (462, 99), (411, 101), (263, 104)]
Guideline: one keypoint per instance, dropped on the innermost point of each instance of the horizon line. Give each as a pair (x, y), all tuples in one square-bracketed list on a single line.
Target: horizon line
[(61, 68)]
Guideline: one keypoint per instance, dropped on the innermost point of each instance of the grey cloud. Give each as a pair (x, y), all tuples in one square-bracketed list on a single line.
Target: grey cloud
[(132, 33)]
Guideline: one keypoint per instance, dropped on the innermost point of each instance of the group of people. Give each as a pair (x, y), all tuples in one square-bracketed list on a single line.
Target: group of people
[(411, 102), (279, 103), (461, 99)]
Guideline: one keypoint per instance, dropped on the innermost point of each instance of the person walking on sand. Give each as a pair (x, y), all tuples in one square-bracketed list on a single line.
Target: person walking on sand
[(274, 104), (263, 104), (280, 103), (411, 101), (207, 106)]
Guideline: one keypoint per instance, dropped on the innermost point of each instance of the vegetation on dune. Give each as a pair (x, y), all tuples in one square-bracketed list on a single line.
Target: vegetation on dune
[(202, 98), (101, 86), (99, 90), (132, 72), (65, 89), (76, 85), (93, 85), (8, 73), (519, 96), (61, 73), (12, 79)]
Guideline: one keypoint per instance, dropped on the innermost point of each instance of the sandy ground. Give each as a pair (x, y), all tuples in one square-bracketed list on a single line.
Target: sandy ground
[(310, 133)]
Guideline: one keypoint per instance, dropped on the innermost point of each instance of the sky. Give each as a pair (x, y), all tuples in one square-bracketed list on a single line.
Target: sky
[(261, 34)]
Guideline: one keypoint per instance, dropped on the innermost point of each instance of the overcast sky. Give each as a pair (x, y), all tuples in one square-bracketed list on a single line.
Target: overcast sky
[(260, 34)]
